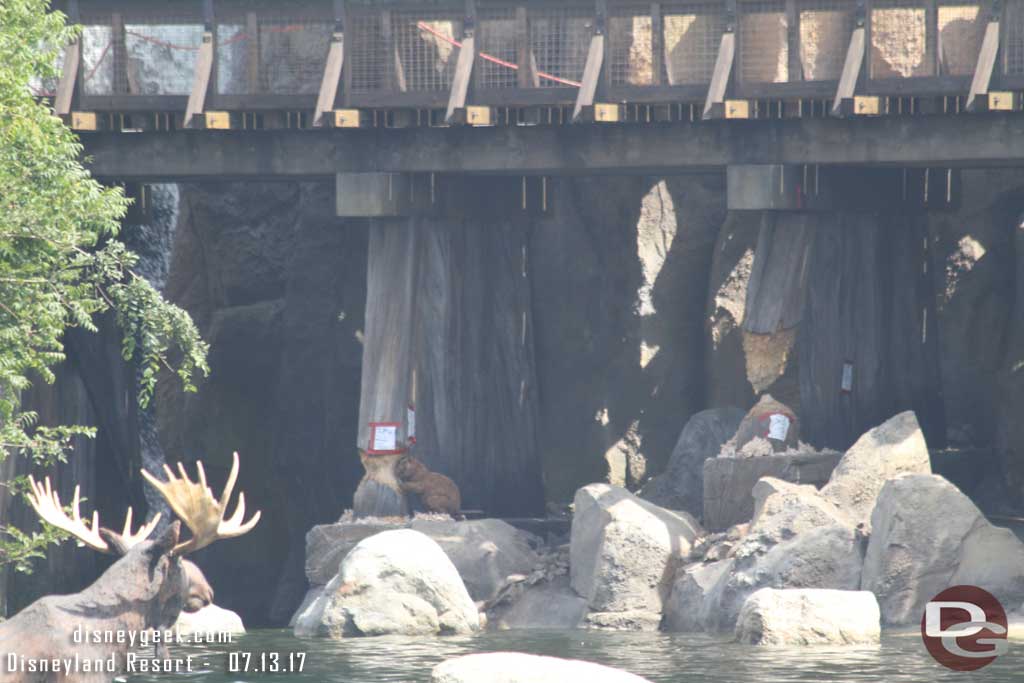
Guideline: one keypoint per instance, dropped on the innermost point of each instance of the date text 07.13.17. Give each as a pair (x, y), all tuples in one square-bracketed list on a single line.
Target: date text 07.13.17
[(266, 662)]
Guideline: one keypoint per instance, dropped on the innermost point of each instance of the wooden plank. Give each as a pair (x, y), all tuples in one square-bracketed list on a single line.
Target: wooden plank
[(252, 29), (68, 79), (851, 69), (986, 63), (332, 76), (591, 75), (201, 80), (463, 73), (120, 55), (794, 65), (657, 43), (723, 70), (526, 74)]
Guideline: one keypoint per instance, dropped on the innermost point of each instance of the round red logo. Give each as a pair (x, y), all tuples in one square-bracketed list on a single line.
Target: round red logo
[(964, 628)]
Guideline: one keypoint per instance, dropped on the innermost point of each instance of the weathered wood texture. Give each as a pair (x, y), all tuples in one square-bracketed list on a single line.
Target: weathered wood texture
[(777, 279), (866, 297), (476, 383), (392, 270)]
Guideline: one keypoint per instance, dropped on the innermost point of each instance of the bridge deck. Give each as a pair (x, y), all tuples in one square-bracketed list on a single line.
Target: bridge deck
[(270, 70), (938, 141)]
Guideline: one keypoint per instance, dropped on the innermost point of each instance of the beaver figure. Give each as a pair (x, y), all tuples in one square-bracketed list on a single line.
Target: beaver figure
[(438, 492)]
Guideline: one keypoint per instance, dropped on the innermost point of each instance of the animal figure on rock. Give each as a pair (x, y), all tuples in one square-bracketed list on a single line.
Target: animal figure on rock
[(437, 492), (147, 588)]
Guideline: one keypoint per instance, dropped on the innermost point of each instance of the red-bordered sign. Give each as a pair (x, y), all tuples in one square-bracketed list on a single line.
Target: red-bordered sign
[(384, 439)]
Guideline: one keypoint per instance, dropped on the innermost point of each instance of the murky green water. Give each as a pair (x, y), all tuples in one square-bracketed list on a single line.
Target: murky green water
[(662, 658)]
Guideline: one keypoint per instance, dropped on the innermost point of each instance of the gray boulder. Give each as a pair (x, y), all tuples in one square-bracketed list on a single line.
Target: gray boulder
[(484, 551), (515, 667), (894, 447), (328, 544), (809, 617), (927, 536), (681, 485), (549, 605), (782, 511), (311, 597), (396, 582), (624, 550), (709, 597)]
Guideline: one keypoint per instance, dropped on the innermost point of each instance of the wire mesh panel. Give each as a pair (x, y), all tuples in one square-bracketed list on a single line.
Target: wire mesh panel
[(233, 63), (764, 42), (367, 54), (426, 47), (960, 32), (1013, 54), (692, 35), (900, 47), (498, 48), (825, 30), (293, 53), (560, 40), (160, 56), (631, 45), (97, 56)]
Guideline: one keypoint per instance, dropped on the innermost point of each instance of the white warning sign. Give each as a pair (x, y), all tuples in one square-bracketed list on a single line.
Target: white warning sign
[(383, 437), (778, 426)]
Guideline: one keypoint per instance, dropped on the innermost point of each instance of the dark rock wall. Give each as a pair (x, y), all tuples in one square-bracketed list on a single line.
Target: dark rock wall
[(619, 270), (277, 285)]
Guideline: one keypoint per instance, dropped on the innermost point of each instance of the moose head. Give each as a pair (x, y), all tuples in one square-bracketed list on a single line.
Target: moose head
[(151, 583)]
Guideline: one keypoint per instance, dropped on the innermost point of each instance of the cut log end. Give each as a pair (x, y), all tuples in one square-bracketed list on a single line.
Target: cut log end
[(378, 494)]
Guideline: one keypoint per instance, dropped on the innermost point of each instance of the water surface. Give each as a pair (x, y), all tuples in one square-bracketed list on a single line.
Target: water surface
[(660, 657)]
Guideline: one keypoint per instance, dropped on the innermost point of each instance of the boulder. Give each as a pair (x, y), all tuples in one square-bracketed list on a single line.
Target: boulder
[(782, 511), (681, 485), (312, 595), (894, 447), (728, 482), (772, 421), (484, 551), (927, 536), (709, 597), (548, 605), (695, 595), (809, 617), (624, 550), (328, 544), (212, 620), (515, 667), (396, 582)]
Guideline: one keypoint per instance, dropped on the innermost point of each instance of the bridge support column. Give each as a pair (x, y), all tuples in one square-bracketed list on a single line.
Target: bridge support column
[(448, 371)]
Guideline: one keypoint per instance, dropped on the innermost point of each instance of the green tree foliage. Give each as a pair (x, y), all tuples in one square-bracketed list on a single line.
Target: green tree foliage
[(60, 264)]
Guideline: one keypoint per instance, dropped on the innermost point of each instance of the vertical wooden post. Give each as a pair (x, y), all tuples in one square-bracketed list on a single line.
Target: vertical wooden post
[(986, 59), (347, 73), (595, 62), (464, 64), (794, 65), (931, 35), (724, 62), (526, 73), (252, 29), (68, 79), (657, 43), (119, 73), (200, 80)]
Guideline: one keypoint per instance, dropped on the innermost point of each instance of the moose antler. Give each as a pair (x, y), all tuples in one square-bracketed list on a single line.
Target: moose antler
[(194, 503), (46, 503)]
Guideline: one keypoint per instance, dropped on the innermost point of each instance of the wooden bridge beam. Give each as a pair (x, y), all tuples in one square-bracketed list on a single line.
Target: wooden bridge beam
[(986, 58), (723, 63)]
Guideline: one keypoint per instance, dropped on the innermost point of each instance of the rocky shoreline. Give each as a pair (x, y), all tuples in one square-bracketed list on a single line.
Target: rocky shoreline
[(867, 550)]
